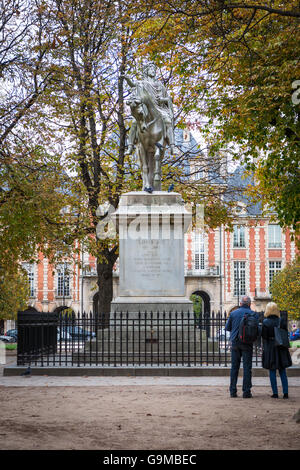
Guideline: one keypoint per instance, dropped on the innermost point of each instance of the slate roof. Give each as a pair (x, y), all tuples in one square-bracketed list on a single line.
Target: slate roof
[(237, 180), (234, 180)]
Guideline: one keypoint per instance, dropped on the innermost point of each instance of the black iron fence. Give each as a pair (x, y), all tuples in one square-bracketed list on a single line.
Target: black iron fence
[(132, 339), (37, 333)]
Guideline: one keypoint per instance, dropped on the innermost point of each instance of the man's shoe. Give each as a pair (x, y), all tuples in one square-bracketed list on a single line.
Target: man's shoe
[(233, 395), (275, 395), (247, 395), (285, 395)]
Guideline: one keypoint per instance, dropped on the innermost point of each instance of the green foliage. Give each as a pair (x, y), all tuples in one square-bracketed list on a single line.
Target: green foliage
[(64, 120), (31, 208), (33, 182), (235, 66), (286, 289), (67, 313), (14, 292), (197, 304), (10, 346)]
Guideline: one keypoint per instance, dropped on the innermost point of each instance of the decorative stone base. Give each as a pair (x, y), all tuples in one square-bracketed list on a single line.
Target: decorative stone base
[(156, 345), (134, 305), (151, 316), (151, 260)]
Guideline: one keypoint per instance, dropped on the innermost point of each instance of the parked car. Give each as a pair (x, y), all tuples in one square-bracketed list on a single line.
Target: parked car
[(63, 335), (295, 335), (7, 339), (75, 332), (13, 333), (223, 334)]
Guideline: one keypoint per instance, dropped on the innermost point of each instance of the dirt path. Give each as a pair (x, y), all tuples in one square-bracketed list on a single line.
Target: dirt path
[(146, 417)]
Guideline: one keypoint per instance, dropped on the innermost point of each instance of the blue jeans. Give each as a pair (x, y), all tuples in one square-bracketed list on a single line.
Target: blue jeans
[(284, 380), (239, 351)]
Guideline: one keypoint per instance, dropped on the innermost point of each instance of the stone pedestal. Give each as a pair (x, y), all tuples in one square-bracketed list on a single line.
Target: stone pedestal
[(151, 255), (151, 319)]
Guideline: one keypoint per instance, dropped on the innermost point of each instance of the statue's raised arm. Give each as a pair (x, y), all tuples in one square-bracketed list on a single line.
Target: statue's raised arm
[(130, 82)]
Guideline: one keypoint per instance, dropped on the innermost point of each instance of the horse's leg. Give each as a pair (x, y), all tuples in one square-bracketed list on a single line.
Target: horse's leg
[(144, 167), (170, 139), (150, 162), (157, 171)]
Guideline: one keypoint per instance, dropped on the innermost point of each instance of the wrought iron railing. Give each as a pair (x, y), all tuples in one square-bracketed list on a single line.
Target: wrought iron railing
[(167, 339)]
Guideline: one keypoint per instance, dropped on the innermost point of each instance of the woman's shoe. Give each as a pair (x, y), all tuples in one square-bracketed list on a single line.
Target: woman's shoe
[(275, 395), (285, 395)]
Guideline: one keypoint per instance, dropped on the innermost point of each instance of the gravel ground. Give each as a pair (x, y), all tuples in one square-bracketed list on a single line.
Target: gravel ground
[(146, 413)]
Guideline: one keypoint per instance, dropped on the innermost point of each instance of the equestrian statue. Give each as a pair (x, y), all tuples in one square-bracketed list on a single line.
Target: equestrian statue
[(153, 125)]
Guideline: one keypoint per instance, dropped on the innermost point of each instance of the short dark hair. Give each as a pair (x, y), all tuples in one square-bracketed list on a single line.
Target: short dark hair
[(245, 300)]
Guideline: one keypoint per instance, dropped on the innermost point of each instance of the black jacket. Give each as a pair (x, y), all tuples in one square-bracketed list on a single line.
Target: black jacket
[(274, 357)]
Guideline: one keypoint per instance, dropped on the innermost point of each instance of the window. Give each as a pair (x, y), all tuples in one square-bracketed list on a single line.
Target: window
[(198, 171), (30, 272), (63, 280), (213, 173), (199, 251), (274, 236), (240, 209), (274, 268), (239, 236), (239, 278), (186, 135)]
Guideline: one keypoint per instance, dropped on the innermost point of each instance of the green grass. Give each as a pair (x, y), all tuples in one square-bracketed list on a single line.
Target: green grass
[(11, 346)]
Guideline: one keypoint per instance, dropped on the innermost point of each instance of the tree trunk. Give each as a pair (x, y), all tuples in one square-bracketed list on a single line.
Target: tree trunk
[(105, 286)]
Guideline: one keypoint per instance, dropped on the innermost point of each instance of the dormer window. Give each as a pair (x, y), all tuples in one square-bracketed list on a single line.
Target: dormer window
[(240, 209), (186, 135), (198, 172)]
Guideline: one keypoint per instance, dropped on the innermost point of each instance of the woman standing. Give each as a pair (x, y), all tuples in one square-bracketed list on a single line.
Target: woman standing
[(275, 357)]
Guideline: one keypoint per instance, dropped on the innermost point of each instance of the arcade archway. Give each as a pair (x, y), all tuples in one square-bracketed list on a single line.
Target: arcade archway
[(61, 309), (201, 301)]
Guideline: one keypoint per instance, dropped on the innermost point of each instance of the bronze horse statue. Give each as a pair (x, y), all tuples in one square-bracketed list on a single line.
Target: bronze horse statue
[(151, 137)]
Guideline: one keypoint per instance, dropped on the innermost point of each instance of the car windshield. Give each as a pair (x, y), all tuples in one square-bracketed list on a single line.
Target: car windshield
[(74, 329)]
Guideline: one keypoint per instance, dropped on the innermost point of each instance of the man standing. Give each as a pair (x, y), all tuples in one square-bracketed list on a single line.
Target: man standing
[(240, 349)]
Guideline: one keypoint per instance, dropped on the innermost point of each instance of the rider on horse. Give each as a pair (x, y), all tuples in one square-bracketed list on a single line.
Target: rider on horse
[(161, 101)]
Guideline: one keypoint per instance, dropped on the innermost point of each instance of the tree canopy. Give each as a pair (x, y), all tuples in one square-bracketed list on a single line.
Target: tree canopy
[(64, 144), (237, 65), (14, 292), (229, 67), (286, 289)]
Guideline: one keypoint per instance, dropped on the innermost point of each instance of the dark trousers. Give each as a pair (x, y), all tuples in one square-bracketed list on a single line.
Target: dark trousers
[(284, 381), (239, 351)]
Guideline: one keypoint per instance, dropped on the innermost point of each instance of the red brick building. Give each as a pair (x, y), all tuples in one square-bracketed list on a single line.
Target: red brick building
[(224, 265), (220, 266)]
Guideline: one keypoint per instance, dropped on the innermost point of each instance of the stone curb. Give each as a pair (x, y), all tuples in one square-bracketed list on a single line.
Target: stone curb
[(9, 371)]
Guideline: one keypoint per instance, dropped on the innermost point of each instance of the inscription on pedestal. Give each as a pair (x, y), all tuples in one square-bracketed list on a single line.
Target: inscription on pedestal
[(152, 267), (150, 262)]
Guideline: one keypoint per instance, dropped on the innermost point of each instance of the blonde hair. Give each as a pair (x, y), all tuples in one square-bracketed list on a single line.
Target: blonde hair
[(272, 309)]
